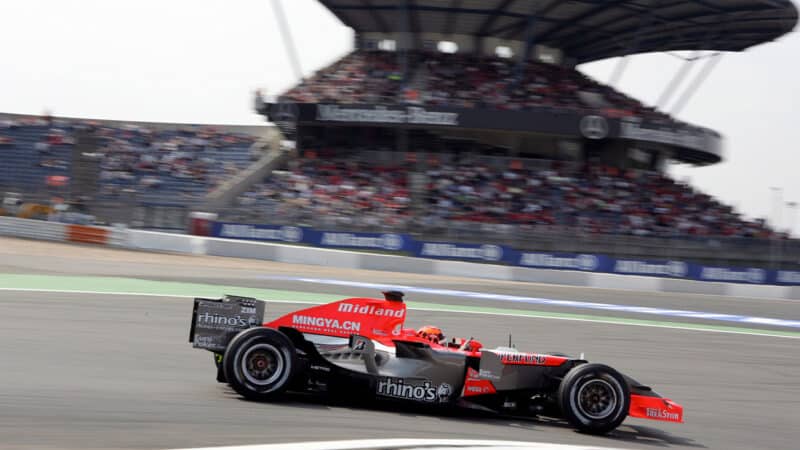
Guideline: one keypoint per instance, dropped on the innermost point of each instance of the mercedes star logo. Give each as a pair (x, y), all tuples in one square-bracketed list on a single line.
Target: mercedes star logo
[(594, 127)]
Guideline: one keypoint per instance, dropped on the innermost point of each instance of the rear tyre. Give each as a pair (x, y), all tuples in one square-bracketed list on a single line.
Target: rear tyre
[(594, 398), (259, 363)]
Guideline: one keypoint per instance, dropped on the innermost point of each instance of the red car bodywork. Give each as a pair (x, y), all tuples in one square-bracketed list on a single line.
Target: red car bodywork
[(383, 321)]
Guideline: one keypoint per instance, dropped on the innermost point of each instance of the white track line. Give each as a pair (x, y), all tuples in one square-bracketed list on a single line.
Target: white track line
[(580, 304), (409, 444), (528, 314)]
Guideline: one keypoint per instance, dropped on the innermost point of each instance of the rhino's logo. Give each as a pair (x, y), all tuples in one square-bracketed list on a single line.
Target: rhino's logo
[(444, 392)]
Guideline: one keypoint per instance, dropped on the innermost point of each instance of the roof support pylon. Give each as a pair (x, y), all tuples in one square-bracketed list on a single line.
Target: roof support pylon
[(519, 70), (645, 21), (676, 81), (288, 42), (696, 83)]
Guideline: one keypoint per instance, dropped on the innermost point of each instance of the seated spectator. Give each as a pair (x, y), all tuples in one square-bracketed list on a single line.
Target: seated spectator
[(183, 160), (597, 198), (464, 81)]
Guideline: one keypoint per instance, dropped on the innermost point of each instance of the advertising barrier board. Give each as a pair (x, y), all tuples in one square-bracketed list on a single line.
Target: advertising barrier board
[(500, 254), (361, 241), (269, 233)]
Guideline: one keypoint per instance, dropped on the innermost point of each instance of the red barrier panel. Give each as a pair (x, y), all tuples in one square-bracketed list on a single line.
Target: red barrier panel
[(87, 235)]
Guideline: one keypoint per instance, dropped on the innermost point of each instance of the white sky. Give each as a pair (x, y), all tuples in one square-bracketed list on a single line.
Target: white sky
[(199, 61)]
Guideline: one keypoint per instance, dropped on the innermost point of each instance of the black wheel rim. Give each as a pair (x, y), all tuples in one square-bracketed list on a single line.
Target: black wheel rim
[(262, 364), (597, 399)]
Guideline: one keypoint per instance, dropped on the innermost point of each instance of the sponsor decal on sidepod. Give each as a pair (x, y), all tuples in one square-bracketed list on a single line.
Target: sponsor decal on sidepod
[(325, 324), (420, 391), (530, 359), (488, 374), (474, 385), (371, 310)]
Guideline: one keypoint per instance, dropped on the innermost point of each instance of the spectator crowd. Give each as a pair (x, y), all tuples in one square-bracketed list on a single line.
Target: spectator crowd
[(174, 164), (594, 198), (465, 81), (133, 158), (152, 159), (335, 192), (360, 77)]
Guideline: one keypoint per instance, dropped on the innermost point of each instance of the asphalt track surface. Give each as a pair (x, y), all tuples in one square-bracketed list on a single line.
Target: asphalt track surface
[(115, 371)]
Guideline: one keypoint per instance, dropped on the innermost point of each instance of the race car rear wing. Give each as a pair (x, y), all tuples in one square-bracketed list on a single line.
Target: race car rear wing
[(216, 321)]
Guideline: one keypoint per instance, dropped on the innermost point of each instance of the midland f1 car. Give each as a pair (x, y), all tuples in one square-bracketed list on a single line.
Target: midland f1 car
[(359, 347)]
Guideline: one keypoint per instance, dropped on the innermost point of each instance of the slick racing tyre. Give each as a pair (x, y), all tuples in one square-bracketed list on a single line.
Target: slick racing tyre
[(259, 363), (594, 398)]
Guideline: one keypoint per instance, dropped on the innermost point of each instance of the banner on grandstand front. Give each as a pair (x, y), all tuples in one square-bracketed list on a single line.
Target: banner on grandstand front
[(382, 114), (677, 134), (542, 119), (500, 254)]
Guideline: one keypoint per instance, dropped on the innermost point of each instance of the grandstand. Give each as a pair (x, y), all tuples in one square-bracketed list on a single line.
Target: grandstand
[(469, 119), (354, 190), (137, 165)]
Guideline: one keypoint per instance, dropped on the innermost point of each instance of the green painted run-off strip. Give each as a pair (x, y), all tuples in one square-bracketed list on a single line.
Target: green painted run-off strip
[(119, 285)]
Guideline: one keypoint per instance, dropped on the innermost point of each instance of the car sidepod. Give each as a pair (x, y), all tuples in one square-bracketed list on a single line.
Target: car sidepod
[(518, 371), (409, 372)]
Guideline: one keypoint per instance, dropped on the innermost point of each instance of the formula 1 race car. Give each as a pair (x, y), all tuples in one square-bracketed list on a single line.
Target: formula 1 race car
[(359, 347)]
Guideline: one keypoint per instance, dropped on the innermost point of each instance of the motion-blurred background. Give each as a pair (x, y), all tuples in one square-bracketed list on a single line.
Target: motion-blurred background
[(565, 135)]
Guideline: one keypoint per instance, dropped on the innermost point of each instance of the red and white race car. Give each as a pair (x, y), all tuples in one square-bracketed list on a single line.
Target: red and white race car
[(360, 347)]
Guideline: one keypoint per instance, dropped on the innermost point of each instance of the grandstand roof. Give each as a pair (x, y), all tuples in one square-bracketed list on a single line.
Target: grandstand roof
[(586, 30)]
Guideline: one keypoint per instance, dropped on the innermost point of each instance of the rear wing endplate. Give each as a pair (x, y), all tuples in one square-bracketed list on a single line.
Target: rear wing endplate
[(216, 321)]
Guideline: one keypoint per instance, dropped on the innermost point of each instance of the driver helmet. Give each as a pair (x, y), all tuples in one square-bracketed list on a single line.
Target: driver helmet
[(431, 333)]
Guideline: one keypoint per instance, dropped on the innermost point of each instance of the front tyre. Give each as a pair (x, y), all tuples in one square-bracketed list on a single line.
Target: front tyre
[(259, 363), (594, 398)]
